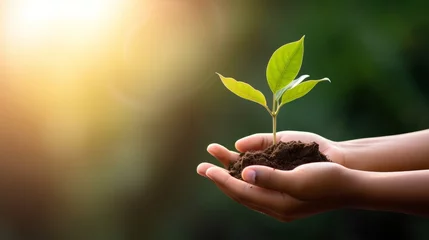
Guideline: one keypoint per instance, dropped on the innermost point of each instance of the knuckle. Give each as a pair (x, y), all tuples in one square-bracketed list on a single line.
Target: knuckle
[(226, 181), (273, 178), (269, 176)]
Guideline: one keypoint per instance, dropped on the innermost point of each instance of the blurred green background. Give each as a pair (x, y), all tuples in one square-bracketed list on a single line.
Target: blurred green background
[(110, 151)]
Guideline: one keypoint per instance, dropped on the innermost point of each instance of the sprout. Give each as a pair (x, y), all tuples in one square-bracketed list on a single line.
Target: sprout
[(283, 67)]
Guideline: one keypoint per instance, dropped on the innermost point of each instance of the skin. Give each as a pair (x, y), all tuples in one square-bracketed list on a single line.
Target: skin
[(384, 174)]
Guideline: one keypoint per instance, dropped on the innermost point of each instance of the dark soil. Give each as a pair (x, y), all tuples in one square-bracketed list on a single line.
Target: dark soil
[(282, 156)]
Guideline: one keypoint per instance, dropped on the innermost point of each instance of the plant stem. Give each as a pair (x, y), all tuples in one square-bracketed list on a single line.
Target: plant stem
[(274, 128), (274, 116)]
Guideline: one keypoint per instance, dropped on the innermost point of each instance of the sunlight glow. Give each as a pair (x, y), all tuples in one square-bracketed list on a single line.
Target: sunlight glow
[(32, 19)]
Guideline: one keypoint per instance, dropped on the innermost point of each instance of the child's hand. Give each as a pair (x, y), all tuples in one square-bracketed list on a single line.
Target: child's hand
[(286, 195)]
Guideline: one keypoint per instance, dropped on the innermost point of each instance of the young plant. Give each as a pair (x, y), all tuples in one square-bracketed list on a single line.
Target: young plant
[(282, 69)]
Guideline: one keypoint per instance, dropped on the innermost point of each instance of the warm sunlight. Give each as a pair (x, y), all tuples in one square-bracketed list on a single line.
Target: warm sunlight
[(81, 62), (34, 19), (56, 39)]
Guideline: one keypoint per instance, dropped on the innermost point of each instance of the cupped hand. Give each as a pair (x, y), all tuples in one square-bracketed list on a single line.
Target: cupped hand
[(285, 195), (261, 141)]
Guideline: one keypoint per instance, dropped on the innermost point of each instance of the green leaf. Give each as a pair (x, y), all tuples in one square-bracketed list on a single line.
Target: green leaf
[(243, 90), (292, 84), (300, 90), (284, 65)]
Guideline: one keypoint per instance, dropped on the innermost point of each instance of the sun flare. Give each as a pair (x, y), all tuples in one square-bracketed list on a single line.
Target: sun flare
[(30, 19)]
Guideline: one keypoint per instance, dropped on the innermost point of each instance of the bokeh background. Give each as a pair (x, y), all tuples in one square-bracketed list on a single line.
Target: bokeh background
[(107, 106)]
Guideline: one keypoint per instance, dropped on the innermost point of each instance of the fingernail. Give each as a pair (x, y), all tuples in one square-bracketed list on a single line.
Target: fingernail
[(249, 176)]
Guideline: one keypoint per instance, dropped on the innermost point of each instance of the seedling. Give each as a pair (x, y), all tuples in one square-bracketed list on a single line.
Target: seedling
[(283, 67)]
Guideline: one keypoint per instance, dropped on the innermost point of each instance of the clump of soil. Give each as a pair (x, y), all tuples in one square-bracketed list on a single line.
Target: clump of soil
[(282, 156)]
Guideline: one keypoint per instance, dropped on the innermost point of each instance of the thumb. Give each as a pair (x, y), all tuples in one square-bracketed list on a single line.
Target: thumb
[(258, 141), (270, 178)]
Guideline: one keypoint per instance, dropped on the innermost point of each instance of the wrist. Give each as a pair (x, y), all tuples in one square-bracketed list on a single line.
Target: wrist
[(342, 151), (353, 155), (353, 185), (388, 191), (364, 189)]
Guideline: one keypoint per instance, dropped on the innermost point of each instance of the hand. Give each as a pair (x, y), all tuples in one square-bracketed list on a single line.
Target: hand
[(260, 141), (284, 195), (331, 149)]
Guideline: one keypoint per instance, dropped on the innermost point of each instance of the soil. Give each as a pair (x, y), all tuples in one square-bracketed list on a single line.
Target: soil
[(282, 156)]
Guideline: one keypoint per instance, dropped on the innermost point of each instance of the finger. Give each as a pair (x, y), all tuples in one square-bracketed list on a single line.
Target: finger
[(261, 209), (255, 142), (202, 168), (276, 204), (260, 141), (245, 193), (288, 184), (224, 155), (270, 178), (305, 137), (265, 210)]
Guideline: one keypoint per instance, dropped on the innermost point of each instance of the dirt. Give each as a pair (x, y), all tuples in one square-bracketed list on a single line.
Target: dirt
[(282, 156)]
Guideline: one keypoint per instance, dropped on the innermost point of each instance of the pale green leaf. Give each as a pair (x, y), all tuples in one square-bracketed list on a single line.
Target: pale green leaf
[(244, 90), (292, 84), (300, 90), (284, 65)]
